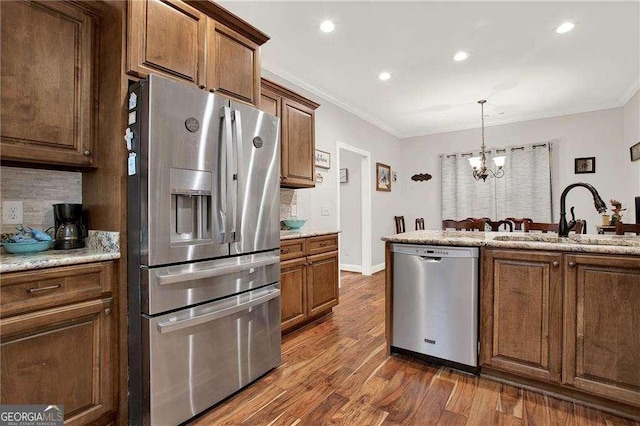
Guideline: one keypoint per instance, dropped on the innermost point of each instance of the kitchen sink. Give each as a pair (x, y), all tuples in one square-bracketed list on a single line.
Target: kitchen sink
[(607, 240)]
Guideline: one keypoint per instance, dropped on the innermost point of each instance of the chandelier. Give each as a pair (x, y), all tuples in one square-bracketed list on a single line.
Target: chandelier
[(479, 164)]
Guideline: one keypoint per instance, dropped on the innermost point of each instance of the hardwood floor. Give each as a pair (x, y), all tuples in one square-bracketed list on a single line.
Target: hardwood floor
[(335, 371)]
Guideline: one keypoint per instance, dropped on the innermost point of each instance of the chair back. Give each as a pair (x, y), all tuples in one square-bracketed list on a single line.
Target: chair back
[(420, 224), (466, 225), (622, 228), (399, 221), (506, 224), (517, 222), (581, 226), (540, 226)]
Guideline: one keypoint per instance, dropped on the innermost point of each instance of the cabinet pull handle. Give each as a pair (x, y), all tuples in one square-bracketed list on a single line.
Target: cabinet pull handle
[(87, 152), (41, 289), (107, 311), (572, 264), (284, 251), (555, 264)]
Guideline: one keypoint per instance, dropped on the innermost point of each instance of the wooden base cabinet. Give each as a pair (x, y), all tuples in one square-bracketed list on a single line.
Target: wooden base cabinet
[(563, 319), (601, 353), (61, 351), (308, 279)]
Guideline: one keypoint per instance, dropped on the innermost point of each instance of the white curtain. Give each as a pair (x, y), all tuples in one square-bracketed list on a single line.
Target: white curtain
[(523, 191)]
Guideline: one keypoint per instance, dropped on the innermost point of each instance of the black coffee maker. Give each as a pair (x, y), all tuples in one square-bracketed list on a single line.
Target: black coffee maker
[(70, 231)]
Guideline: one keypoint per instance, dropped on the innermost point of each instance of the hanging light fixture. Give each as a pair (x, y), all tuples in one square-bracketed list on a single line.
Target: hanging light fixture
[(479, 164)]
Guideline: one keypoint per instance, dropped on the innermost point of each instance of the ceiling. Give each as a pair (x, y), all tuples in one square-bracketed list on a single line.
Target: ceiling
[(517, 61)]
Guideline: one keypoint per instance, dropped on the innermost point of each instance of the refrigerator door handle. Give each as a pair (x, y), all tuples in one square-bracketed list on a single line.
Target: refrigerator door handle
[(215, 271), (238, 201), (169, 326), (224, 181)]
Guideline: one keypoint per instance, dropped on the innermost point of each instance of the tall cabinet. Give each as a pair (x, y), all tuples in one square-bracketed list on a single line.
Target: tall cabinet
[(297, 129)]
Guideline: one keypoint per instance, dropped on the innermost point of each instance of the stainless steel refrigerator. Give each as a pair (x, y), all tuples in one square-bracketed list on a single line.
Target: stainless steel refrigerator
[(203, 248)]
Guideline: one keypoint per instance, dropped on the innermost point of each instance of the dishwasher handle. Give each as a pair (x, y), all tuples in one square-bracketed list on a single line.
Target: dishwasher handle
[(429, 259)]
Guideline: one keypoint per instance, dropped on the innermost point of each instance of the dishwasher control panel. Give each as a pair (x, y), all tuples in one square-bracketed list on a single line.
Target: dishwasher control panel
[(435, 251)]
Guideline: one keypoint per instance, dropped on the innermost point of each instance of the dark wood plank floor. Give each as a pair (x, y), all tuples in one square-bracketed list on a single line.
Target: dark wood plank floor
[(336, 372)]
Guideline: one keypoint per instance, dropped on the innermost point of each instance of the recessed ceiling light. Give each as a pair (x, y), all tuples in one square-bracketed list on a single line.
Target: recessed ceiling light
[(460, 56), (384, 76), (565, 27), (327, 26)]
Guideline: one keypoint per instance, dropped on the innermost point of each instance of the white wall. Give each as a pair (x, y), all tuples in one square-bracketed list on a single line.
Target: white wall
[(336, 124), (351, 210), (632, 137), (594, 134)]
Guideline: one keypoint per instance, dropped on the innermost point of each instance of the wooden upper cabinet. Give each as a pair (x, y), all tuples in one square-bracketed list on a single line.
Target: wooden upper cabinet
[(521, 313), (233, 64), (297, 133), (48, 65), (602, 326), (166, 37)]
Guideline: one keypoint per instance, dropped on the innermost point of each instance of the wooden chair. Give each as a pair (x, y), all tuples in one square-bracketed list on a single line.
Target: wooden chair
[(463, 225), (399, 220), (517, 222), (622, 228), (420, 224), (495, 226), (540, 226), (581, 226)]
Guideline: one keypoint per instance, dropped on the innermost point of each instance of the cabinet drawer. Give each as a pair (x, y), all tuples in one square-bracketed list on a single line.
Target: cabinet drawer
[(322, 244), (25, 291), (291, 249)]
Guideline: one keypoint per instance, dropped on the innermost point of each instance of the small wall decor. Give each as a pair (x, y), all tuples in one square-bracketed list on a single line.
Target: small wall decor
[(421, 177), (383, 177), (344, 176), (394, 177), (323, 159), (319, 178), (585, 165), (635, 152)]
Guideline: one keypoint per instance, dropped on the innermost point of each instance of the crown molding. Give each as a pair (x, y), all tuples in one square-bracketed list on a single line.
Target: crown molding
[(332, 99), (631, 90)]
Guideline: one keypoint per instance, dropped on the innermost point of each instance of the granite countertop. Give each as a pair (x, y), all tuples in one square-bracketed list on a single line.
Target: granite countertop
[(585, 243), (100, 246), (304, 233)]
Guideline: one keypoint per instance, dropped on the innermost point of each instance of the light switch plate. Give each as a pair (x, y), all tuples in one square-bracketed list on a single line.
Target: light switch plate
[(294, 210), (12, 212)]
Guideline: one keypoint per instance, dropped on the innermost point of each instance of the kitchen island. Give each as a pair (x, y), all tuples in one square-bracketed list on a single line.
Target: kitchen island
[(560, 315)]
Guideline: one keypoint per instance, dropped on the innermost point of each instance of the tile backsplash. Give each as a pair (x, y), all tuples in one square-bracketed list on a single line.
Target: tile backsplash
[(39, 190), (288, 200), (296, 203)]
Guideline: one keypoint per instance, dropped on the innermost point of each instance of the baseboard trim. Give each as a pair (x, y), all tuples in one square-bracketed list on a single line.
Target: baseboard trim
[(377, 268), (351, 268)]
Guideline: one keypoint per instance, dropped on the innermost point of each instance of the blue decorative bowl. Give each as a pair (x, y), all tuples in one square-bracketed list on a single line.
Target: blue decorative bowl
[(28, 247), (294, 223)]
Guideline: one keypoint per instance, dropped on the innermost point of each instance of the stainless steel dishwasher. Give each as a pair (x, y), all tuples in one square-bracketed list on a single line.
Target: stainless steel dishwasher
[(435, 302)]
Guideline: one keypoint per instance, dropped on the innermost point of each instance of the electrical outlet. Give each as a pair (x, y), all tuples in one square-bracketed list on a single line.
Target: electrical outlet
[(325, 211), (294, 210), (345, 252), (12, 212)]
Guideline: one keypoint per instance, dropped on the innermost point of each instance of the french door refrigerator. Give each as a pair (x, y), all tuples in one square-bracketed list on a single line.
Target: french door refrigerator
[(203, 249)]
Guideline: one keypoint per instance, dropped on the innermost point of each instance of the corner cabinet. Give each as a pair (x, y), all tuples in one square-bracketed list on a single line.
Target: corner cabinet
[(197, 42), (57, 332), (297, 129), (569, 320), (308, 279), (49, 63)]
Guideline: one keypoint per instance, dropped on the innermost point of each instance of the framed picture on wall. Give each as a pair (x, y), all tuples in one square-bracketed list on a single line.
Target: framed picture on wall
[(383, 177), (635, 152), (585, 165), (344, 176), (323, 159)]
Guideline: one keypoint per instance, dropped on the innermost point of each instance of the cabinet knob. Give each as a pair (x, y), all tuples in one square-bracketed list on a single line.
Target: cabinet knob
[(87, 152), (212, 90), (555, 264), (202, 86), (107, 311), (572, 264)]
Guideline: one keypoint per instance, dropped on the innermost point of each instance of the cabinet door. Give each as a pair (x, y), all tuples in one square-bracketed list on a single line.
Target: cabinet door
[(602, 326), (233, 64), (293, 290), (298, 145), (521, 313), (270, 102), (62, 356), (166, 37), (322, 282), (46, 108)]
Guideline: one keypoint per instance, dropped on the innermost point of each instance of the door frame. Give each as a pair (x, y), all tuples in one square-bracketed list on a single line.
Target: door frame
[(365, 193)]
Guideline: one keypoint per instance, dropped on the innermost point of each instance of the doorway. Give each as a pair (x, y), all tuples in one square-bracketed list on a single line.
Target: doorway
[(353, 195)]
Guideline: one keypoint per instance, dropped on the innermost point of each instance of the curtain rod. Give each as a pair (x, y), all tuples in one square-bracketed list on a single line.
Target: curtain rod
[(488, 151)]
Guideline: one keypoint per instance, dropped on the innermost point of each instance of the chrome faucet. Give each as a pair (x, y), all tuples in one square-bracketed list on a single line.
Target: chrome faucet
[(563, 226)]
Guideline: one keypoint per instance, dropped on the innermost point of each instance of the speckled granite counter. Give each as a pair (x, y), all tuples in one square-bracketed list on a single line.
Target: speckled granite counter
[(100, 246), (586, 243), (303, 233)]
